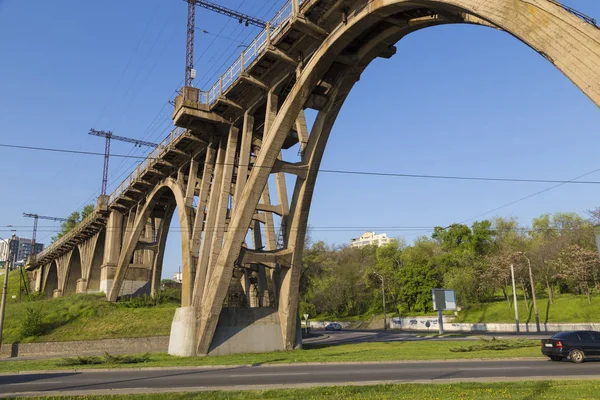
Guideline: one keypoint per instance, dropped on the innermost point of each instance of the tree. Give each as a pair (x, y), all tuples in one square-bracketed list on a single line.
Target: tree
[(580, 266), (420, 274)]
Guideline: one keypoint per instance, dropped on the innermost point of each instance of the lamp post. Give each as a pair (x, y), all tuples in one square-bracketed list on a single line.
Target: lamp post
[(5, 286), (512, 273), (383, 298), (535, 308)]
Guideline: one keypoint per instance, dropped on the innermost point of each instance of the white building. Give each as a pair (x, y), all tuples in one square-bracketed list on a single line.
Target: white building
[(177, 277), (368, 238), (3, 249)]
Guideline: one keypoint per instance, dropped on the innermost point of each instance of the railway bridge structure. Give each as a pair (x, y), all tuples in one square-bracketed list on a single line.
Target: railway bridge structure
[(224, 168)]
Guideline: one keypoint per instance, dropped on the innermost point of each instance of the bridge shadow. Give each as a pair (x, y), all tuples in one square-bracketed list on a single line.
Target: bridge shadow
[(26, 378)]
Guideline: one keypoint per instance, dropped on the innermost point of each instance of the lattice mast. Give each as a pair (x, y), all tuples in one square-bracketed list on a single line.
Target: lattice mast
[(191, 27), (109, 135)]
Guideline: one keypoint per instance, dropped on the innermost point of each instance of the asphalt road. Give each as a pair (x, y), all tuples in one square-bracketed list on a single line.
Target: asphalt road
[(370, 335), (189, 379)]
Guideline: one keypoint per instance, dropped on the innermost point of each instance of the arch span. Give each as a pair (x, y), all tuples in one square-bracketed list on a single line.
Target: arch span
[(51, 281), (371, 27), (73, 272), (169, 188)]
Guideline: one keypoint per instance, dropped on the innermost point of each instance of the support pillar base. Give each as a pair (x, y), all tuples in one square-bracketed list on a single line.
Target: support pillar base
[(182, 341)]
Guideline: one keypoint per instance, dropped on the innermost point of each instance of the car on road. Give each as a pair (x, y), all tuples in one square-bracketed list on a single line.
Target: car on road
[(333, 326), (575, 346)]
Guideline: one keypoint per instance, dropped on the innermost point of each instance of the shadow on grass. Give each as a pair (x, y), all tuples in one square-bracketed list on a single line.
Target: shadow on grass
[(547, 312), (539, 388)]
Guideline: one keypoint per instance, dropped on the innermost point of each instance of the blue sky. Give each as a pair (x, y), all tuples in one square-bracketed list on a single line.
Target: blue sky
[(455, 100)]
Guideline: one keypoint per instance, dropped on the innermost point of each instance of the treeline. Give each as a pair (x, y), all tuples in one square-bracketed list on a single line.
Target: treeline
[(473, 260)]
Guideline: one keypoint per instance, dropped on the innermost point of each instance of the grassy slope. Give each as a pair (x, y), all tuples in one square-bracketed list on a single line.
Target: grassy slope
[(566, 308), (390, 351), (88, 317), (514, 390)]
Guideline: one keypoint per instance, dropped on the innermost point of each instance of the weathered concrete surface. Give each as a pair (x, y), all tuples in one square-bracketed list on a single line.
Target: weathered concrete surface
[(182, 341), (91, 347), (247, 330)]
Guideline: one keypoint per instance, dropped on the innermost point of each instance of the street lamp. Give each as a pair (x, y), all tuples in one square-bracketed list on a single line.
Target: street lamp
[(383, 298), (535, 309)]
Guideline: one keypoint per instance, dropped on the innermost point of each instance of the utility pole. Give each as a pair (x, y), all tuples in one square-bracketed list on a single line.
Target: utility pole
[(5, 287), (512, 272), (190, 72), (109, 135), (383, 298), (535, 308)]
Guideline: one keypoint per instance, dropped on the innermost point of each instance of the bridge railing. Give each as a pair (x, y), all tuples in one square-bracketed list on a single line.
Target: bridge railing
[(147, 163), (251, 53), (67, 236)]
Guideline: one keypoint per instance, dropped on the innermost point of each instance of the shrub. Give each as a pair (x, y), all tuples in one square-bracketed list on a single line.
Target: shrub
[(32, 324), (107, 359), (91, 360)]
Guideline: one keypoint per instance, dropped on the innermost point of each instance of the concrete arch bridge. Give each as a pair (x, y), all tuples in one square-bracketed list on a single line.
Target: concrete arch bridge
[(222, 169)]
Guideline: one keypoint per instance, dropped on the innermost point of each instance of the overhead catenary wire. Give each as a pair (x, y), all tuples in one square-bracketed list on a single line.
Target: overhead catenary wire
[(354, 172)]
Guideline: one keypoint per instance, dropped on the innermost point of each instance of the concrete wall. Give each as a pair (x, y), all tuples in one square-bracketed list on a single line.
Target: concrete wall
[(92, 347), (431, 324), (323, 324), (247, 330)]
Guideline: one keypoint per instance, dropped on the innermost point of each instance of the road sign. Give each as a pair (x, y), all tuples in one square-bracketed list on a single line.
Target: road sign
[(306, 316), (443, 299)]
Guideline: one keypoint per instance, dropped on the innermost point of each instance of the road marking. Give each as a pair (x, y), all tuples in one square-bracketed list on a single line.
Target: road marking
[(35, 383), (265, 375)]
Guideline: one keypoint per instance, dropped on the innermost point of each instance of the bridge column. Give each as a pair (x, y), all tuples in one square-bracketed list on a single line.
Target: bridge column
[(38, 277), (112, 249)]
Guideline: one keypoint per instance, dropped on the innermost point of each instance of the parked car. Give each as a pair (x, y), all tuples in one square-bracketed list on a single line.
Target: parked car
[(575, 346), (333, 326)]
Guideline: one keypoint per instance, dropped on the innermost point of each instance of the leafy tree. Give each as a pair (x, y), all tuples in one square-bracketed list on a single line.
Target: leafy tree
[(420, 275), (580, 266)]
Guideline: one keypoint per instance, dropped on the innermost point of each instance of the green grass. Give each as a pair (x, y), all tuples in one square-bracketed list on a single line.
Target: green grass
[(360, 352), (566, 308), (87, 317), (463, 391)]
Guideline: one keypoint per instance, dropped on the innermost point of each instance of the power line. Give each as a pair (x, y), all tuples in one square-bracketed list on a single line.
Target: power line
[(364, 173)]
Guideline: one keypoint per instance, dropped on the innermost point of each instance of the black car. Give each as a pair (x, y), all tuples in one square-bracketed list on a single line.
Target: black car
[(575, 346)]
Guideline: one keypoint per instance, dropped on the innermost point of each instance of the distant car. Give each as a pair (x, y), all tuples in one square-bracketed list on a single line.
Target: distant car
[(575, 346), (334, 326)]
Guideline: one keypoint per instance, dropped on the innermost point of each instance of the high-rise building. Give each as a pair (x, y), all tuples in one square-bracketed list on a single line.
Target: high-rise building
[(368, 238), (19, 248)]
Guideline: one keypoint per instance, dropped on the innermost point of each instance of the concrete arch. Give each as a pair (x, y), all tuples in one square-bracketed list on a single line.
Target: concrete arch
[(73, 272), (130, 242), (568, 42), (51, 280)]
